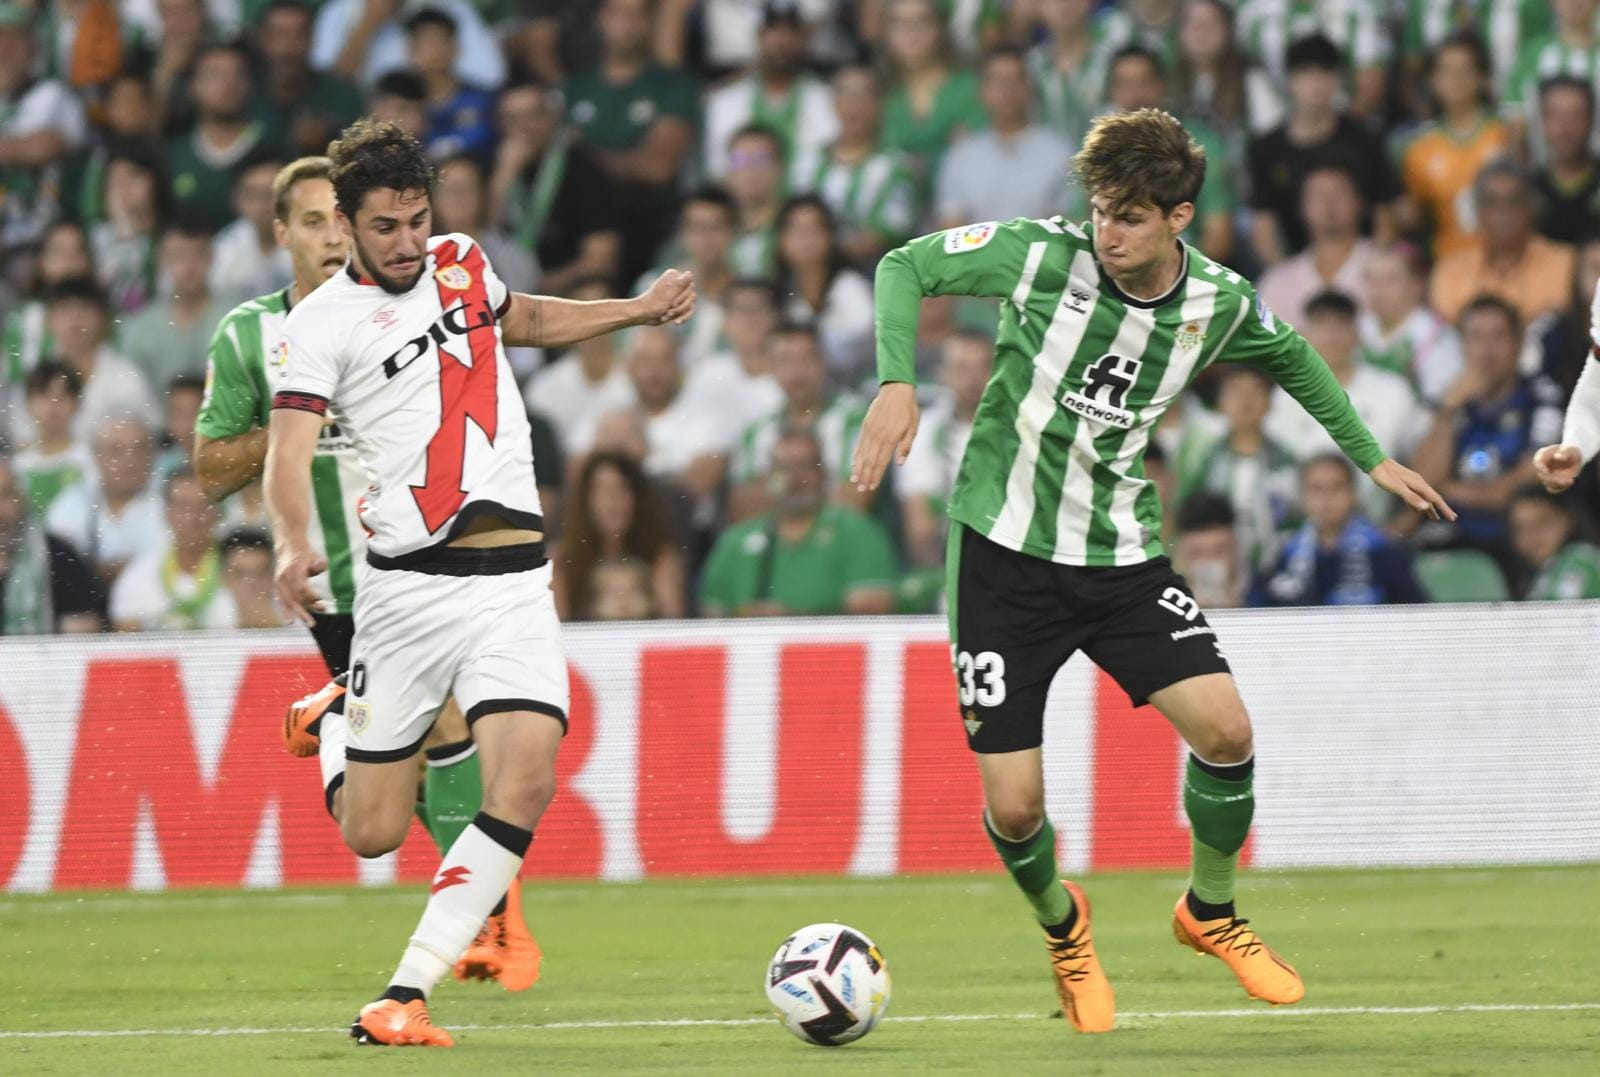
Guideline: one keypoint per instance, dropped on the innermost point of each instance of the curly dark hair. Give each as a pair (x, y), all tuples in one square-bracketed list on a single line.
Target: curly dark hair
[(374, 155)]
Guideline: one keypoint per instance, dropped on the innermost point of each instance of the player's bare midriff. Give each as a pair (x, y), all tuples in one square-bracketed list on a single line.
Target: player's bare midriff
[(487, 532)]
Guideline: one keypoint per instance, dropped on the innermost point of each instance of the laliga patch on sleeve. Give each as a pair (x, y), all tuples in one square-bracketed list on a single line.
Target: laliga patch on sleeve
[(969, 238), (1265, 314)]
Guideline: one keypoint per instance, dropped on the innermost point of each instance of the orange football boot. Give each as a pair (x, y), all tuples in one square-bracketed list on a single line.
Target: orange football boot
[(504, 949), (300, 725), (1086, 995), (398, 1024), (1264, 974)]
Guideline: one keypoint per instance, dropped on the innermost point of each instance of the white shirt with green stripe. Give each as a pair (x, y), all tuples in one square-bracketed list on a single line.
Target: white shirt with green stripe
[(876, 194), (237, 400), (1083, 373), (837, 426)]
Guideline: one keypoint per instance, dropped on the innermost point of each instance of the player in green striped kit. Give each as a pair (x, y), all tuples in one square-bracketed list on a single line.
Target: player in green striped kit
[(230, 452), (1055, 543)]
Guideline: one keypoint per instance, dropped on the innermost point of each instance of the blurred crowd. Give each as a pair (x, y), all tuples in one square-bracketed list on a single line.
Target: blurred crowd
[(1414, 185)]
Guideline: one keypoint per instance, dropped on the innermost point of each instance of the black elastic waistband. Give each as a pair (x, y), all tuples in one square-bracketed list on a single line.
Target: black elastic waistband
[(444, 560)]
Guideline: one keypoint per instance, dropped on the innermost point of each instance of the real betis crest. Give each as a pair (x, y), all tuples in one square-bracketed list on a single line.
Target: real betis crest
[(455, 277), (1189, 337)]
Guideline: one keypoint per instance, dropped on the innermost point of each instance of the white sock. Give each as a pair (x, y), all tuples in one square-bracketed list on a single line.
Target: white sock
[(469, 884), (333, 733)]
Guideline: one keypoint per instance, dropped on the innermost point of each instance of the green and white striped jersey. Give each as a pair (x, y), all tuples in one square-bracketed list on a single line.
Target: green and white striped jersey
[(1266, 28), (1504, 25), (1083, 373), (237, 400), (837, 427), (877, 194)]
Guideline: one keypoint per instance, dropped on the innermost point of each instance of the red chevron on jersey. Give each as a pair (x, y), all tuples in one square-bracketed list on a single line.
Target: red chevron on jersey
[(456, 876), (466, 392)]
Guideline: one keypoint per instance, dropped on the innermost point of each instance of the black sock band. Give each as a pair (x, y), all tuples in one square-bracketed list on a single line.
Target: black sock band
[(333, 787), (403, 995), (446, 751), (1063, 930), (513, 839), (1228, 772), (1204, 910)]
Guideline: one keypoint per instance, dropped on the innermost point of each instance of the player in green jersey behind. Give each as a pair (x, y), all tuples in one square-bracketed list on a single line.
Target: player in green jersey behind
[(230, 453), (1054, 541)]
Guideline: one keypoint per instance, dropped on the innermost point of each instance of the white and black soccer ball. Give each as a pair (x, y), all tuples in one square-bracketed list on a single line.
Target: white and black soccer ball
[(829, 984)]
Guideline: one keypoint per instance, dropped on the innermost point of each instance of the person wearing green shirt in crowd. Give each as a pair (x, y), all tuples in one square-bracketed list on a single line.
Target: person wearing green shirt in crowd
[(930, 101), (1504, 25), (24, 339), (806, 556), (172, 334), (246, 356), (640, 117), (755, 180), (1266, 29), (1570, 48), (200, 163), (1069, 65), (55, 459), (303, 108), (1560, 566), (872, 191), (1059, 546)]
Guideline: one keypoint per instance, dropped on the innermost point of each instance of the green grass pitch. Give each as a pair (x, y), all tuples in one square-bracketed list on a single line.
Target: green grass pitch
[(1408, 972)]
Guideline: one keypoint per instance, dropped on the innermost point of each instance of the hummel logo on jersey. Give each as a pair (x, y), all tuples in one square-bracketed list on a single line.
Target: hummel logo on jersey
[(457, 321), (456, 876), (1105, 389), (1076, 301)]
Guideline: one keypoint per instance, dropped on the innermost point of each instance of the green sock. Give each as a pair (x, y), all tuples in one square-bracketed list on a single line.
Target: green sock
[(1219, 812), (452, 793), (1032, 864)]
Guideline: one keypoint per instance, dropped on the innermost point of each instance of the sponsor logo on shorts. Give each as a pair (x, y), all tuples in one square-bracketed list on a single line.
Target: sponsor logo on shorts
[(455, 277), (1197, 630), (358, 715)]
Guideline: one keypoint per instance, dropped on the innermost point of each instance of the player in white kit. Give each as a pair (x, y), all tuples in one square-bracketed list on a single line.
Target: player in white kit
[(406, 349), (1558, 465)]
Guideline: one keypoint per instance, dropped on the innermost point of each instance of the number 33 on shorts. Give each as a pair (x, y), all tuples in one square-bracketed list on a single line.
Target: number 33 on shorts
[(981, 677)]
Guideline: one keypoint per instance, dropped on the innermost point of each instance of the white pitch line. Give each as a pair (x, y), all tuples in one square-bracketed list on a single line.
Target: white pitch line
[(736, 1022)]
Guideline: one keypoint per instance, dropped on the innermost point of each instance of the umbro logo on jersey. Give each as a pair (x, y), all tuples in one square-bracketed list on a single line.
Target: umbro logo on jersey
[(385, 318), (455, 277), (457, 321)]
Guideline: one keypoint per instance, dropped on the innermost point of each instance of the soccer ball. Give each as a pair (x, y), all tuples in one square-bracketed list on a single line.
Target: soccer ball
[(829, 984)]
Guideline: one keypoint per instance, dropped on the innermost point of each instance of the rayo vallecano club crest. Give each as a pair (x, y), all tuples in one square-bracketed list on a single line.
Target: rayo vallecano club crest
[(455, 277), (1189, 337)]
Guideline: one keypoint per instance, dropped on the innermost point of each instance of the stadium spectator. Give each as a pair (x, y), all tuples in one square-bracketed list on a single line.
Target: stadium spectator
[(114, 515), (619, 590), (1400, 332), (460, 114), (1336, 256), (247, 573), (63, 254), (1316, 131), (926, 481), (1556, 564), (1152, 25), (401, 98), (127, 117), (246, 259), (181, 401), (45, 586), (1010, 168), (805, 557), (1356, 28), (1567, 183), (930, 100), (1508, 260), (1137, 81), (136, 202), (1439, 165), (573, 392), (200, 162), (737, 384), (686, 444), (305, 107), (1566, 345), (1206, 552), (704, 246), (171, 335), (871, 190), (550, 194), (363, 40), (640, 119), (776, 93), (1569, 47), (461, 204), (171, 53), (1479, 451), (755, 180), (41, 122), (1338, 557), (970, 27), (618, 515), (1068, 65), (178, 586), (1257, 475), (56, 459), (1210, 75), (77, 318), (808, 404), (1425, 24), (1384, 400), (822, 290)]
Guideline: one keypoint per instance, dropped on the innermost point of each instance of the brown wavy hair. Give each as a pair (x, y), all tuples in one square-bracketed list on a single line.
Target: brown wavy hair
[(375, 155), (582, 547), (1141, 158)]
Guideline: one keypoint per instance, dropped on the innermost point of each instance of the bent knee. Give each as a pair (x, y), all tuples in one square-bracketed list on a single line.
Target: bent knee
[(1015, 818), (369, 838), (1226, 742)]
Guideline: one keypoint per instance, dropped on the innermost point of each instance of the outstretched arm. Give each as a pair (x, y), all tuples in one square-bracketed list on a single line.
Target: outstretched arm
[(543, 321)]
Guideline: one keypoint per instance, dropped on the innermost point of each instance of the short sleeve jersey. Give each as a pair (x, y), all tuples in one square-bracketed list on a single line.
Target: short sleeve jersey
[(421, 383)]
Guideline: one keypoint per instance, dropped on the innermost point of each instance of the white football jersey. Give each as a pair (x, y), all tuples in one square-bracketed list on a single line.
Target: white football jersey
[(421, 383)]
